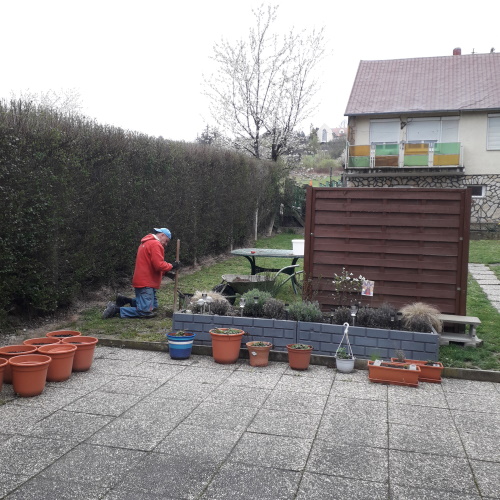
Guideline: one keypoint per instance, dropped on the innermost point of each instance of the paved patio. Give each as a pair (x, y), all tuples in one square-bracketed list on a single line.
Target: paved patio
[(140, 426)]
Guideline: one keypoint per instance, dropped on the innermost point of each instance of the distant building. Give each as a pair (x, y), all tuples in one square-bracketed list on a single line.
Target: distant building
[(327, 134)]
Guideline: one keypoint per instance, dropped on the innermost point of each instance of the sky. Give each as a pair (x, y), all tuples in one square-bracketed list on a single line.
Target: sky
[(141, 65)]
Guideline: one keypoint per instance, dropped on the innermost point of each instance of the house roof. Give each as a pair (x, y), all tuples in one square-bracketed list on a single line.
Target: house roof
[(426, 84)]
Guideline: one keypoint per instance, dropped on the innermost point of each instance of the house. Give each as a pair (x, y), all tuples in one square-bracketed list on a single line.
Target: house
[(327, 134), (428, 122)]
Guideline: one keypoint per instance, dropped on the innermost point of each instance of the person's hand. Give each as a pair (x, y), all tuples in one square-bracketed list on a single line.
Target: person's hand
[(176, 265)]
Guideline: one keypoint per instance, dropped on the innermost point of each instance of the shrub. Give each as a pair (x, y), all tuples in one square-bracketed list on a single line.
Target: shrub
[(419, 317), (342, 315), (305, 311), (274, 308), (254, 302), (220, 307)]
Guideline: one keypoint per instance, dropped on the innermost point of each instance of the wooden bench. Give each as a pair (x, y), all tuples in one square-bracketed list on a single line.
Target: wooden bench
[(468, 338)]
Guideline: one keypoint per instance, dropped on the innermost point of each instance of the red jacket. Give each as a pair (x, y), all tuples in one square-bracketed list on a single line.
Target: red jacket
[(150, 263)]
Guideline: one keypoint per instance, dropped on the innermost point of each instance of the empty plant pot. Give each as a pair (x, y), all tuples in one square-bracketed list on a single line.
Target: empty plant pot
[(62, 356), (42, 341), (9, 351), (29, 373), (62, 334), (84, 354), (3, 364)]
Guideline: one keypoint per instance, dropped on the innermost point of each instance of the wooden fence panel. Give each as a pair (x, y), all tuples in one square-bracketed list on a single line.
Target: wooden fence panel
[(414, 243)]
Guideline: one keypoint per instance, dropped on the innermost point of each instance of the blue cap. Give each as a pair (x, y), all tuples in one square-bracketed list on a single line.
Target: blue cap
[(165, 231)]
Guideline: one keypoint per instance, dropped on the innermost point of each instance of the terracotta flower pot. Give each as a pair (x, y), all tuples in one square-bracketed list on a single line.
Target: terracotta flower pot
[(299, 359), (3, 363), (62, 334), (29, 374), (393, 373), (428, 373), (10, 351), (62, 356), (259, 355), (84, 354), (42, 341), (226, 346), (180, 346)]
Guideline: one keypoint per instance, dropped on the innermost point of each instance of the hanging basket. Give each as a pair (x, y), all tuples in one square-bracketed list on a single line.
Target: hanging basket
[(345, 365)]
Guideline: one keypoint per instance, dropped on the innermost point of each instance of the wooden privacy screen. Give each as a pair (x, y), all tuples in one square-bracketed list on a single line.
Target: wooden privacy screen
[(414, 243)]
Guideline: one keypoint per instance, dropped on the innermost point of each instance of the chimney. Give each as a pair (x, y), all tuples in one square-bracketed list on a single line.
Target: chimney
[(457, 51)]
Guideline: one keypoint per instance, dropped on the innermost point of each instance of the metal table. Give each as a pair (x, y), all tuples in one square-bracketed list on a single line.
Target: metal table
[(252, 253)]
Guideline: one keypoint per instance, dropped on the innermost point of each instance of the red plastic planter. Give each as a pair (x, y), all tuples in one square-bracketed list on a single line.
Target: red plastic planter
[(62, 356), (62, 334), (84, 355), (42, 341), (9, 351), (29, 373)]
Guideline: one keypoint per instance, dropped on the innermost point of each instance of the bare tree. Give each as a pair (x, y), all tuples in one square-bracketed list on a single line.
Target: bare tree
[(264, 86), (67, 101)]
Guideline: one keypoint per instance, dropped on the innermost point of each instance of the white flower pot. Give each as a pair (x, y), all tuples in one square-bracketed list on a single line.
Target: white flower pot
[(345, 365)]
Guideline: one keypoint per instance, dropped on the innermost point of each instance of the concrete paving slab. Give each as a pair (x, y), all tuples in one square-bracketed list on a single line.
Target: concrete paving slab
[(27, 455), (353, 406), (153, 407), (489, 403), (132, 385), (421, 470), (359, 390), (299, 382), (349, 461), (158, 474), (282, 452), (420, 416), (285, 423), (245, 482), (416, 396), (453, 385), (487, 475), (19, 419), (410, 493), (9, 482), (69, 426), (359, 430), (42, 489), (321, 486), (104, 466), (187, 442), (230, 394), (303, 402), (442, 441), (253, 379), (191, 391), (202, 374), (104, 403)]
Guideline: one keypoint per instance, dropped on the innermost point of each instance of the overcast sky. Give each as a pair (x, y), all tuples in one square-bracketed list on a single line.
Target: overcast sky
[(139, 64)]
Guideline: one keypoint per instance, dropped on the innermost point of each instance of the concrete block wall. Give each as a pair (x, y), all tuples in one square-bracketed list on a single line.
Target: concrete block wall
[(323, 337)]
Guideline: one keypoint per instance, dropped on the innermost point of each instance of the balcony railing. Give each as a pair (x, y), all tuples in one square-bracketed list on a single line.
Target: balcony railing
[(405, 154)]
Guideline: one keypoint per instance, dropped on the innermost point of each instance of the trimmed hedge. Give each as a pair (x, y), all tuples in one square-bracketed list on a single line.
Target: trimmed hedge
[(76, 198)]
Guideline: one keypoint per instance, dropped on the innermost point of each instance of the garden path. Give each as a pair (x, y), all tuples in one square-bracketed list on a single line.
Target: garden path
[(488, 282)]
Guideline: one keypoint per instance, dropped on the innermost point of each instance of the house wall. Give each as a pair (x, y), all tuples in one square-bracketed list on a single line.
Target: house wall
[(471, 134)]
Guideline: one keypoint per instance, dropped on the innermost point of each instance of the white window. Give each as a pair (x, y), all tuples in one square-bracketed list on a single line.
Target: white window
[(437, 129), (493, 137), (384, 131)]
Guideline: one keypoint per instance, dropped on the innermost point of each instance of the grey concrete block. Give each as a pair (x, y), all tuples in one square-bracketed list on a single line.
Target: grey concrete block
[(400, 335), (366, 341)]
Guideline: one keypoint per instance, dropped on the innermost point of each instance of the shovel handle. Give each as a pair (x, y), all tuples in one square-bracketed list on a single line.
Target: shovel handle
[(177, 252)]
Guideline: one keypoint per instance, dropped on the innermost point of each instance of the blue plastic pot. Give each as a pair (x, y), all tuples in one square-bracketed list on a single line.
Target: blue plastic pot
[(180, 347)]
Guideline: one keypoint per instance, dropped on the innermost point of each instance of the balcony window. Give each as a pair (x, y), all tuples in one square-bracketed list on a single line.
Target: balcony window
[(493, 137)]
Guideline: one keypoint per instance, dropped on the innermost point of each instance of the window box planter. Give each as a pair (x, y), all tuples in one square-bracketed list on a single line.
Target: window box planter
[(388, 372), (428, 372)]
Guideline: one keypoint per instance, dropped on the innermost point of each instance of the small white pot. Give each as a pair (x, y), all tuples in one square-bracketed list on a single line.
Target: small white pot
[(345, 365)]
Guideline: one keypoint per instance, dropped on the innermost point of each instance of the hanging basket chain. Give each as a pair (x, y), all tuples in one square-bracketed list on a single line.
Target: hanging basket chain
[(345, 338)]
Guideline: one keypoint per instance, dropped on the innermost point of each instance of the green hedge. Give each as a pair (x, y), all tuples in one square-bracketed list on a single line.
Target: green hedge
[(76, 198)]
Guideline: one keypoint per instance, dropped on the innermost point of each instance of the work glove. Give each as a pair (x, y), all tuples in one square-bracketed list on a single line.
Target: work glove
[(176, 265)]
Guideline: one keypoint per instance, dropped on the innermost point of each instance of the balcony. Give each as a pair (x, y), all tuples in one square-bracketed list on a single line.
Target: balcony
[(405, 158)]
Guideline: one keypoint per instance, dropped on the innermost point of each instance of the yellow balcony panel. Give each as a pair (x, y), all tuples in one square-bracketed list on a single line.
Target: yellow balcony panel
[(442, 160), (363, 150), (416, 149)]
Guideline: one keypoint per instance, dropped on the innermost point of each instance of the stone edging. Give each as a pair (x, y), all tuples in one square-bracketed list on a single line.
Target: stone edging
[(361, 364)]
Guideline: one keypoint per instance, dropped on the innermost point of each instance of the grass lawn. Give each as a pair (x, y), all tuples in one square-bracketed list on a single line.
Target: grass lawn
[(484, 357)]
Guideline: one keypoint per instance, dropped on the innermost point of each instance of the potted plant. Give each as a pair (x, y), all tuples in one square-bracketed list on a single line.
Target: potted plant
[(430, 371), (299, 356), (259, 352), (226, 343), (180, 344), (387, 372), (344, 358)]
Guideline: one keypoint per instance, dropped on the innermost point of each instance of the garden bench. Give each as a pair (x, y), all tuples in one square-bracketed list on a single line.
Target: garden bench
[(469, 324)]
